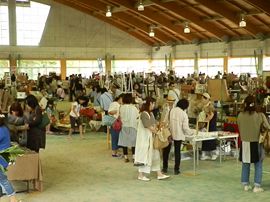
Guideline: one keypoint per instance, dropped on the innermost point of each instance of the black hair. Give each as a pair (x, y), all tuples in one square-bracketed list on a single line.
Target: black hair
[(16, 107), (183, 104), (31, 101), (171, 83), (2, 119), (118, 97), (250, 105), (146, 105), (85, 100), (127, 98), (103, 90)]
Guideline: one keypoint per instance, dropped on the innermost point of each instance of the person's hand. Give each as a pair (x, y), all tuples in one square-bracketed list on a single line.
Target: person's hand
[(26, 126)]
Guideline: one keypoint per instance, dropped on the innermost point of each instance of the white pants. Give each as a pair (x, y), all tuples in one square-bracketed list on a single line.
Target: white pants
[(155, 163)]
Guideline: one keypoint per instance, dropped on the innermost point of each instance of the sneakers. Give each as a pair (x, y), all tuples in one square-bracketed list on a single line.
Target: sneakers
[(247, 187), (257, 189), (214, 157), (143, 178), (203, 158), (163, 177)]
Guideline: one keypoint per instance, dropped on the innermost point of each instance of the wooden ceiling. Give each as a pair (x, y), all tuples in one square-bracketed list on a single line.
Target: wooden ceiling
[(208, 20)]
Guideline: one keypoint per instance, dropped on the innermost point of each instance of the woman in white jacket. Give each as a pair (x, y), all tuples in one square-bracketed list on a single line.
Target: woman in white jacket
[(146, 157), (178, 122)]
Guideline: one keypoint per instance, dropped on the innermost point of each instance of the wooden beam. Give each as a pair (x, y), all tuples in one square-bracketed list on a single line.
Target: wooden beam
[(230, 15), (190, 16), (263, 5), (156, 19), (148, 41), (129, 21)]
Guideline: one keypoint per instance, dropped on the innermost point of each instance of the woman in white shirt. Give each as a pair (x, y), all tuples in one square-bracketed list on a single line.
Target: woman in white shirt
[(129, 116), (114, 111), (178, 122)]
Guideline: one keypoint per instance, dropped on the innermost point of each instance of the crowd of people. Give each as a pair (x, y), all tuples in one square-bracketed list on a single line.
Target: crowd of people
[(142, 112)]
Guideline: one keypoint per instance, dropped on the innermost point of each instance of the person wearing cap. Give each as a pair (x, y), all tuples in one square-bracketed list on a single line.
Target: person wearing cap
[(174, 92), (196, 106), (209, 146)]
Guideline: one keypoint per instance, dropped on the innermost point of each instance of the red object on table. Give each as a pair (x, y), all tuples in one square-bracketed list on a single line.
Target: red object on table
[(232, 127)]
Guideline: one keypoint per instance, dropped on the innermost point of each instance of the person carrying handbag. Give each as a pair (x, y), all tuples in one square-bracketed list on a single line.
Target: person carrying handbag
[(249, 123), (146, 157)]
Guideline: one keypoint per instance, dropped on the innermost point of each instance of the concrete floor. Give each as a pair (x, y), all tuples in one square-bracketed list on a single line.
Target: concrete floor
[(84, 171)]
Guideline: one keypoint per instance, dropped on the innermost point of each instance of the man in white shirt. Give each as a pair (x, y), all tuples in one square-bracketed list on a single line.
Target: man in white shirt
[(174, 92)]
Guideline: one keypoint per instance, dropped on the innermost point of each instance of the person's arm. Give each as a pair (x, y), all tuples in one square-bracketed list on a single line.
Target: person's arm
[(186, 129), (265, 122), (145, 117)]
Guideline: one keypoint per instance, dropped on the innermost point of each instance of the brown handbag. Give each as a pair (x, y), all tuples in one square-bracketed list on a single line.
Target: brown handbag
[(160, 139)]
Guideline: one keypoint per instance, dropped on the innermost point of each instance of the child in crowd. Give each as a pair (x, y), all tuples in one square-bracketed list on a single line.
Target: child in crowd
[(74, 115), (51, 114), (60, 93), (4, 144)]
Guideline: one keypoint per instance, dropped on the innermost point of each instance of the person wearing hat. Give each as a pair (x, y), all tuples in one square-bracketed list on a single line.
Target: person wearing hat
[(116, 92), (166, 109), (174, 92), (209, 114), (197, 104)]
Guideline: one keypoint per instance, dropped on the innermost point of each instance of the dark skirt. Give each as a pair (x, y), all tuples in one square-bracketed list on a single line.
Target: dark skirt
[(249, 152), (36, 139), (209, 145)]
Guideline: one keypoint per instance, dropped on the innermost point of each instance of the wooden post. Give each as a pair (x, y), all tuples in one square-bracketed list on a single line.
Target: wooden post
[(12, 64), (225, 64), (63, 63)]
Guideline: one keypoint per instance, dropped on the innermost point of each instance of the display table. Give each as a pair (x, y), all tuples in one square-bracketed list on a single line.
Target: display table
[(221, 136), (27, 168), (194, 141)]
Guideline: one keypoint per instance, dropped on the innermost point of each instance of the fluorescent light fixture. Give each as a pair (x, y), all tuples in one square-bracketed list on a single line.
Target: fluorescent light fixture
[(242, 22), (109, 12), (151, 33), (186, 29), (140, 6)]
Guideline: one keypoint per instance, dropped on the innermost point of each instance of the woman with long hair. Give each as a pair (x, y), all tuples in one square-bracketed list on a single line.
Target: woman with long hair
[(36, 136), (146, 156), (249, 123)]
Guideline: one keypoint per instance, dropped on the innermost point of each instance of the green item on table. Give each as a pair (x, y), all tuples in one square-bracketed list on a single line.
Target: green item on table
[(10, 154)]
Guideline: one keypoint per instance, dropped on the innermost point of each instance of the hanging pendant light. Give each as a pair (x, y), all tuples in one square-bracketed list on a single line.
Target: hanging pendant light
[(108, 12), (140, 6), (186, 28)]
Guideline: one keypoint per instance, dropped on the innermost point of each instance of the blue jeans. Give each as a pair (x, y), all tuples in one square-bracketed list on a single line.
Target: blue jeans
[(6, 184), (257, 174), (114, 138)]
